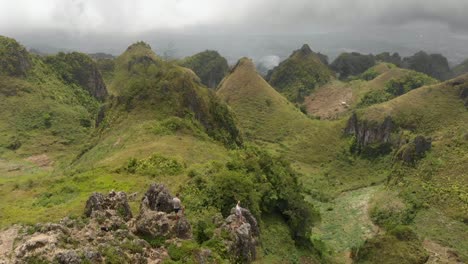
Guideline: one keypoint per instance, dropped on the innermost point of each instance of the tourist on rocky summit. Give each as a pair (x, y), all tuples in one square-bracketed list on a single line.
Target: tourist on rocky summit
[(239, 211), (176, 205)]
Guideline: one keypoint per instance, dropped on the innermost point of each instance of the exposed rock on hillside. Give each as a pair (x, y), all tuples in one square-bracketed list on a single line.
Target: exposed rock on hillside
[(156, 218), (243, 236), (157, 198), (415, 150), (110, 235), (369, 132), (14, 59), (115, 203)]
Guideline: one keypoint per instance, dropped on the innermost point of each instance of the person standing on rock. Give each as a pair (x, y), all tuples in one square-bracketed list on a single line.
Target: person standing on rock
[(176, 204), (239, 212)]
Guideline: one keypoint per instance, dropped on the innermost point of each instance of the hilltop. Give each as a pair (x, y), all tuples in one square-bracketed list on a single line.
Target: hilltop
[(297, 76), (209, 65)]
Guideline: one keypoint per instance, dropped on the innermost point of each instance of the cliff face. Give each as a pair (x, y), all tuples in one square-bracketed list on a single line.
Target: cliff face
[(367, 132)]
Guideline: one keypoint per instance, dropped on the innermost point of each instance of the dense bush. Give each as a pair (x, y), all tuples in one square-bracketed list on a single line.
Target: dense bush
[(264, 184), (369, 75), (374, 97), (154, 165), (413, 80)]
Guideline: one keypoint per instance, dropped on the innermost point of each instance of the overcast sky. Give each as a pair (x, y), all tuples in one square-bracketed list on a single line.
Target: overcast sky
[(80, 19)]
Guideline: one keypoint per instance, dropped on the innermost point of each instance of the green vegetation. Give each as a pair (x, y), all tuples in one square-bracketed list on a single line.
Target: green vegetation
[(412, 80), (299, 75), (14, 59), (263, 183), (394, 87), (314, 198), (78, 68), (209, 66), (391, 249), (143, 81)]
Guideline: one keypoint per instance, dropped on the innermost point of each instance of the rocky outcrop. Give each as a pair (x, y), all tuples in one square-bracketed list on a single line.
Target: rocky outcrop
[(369, 132), (115, 203), (157, 198), (415, 150), (108, 234), (243, 236), (156, 216)]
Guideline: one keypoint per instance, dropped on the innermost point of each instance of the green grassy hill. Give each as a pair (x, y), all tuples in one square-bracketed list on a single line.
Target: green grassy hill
[(297, 76), (435, 186), (40, 112), (391, 198)]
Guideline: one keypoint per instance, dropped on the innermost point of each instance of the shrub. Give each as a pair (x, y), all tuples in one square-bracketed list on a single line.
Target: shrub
[(263, 183), (374, 97), (404, 233), (154, 165), (184, 252), (389, 211), (411, 81)]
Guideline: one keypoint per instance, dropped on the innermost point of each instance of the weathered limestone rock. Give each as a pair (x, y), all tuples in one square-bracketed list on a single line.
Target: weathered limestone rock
[(114, 204), (244, 234)]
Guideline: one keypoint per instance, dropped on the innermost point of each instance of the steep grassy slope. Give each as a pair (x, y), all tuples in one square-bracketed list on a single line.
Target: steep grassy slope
[(437, 184), (209, 66), (39, 111), (266, 116), (299, 74), (162, 125), (316, 148)]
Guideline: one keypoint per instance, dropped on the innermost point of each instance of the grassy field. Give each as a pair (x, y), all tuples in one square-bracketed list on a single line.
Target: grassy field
[(345, 222)]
